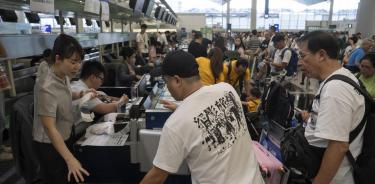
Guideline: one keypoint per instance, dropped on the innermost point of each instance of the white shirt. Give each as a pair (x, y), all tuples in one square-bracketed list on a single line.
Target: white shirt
[(78, 86), (271, 48), (142, 41), (209, 131), (163, 39), (339, 110), (278, 59)]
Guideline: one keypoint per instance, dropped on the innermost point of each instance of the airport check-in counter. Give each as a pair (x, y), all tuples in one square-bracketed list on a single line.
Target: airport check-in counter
[(110, 158), (156, 115)]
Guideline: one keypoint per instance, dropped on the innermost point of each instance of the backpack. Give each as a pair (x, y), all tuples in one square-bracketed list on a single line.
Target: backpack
[(291, 68), (297, 153), (278, 104), (299, 156), (364, 166)]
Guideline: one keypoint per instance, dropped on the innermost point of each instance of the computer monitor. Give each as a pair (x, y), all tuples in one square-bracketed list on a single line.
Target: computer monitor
[(147, 103), (155, 89), (141, 86), (137, 6)]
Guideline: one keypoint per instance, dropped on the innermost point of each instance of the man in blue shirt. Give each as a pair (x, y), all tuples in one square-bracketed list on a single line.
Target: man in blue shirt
[(357, 55)]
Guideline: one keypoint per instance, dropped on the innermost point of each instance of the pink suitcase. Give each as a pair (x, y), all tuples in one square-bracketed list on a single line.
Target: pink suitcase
[(272, 169)]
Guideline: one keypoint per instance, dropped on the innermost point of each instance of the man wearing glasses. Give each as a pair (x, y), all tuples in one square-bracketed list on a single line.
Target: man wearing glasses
[(92, 77), (336, 111)]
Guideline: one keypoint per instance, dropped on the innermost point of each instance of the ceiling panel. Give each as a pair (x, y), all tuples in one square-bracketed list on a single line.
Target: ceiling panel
[(220, 1), (310, 2)]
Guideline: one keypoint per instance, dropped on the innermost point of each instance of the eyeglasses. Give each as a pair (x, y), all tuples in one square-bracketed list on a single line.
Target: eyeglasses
[(302, 56), (100, 77)]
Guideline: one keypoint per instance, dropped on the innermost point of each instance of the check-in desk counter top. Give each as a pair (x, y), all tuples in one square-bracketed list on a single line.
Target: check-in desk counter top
[(127, 163), (156, 116), (147, 148), (156, 113), (109, 163)]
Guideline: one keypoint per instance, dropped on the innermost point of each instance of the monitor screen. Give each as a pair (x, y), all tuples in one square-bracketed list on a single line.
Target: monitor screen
[(32, 17), (164, 15), (72, 21), (58, 20), (150, 6), (159, 11), (166, 18), (155, 89), (138, 7), (147, 103), (141, 86)]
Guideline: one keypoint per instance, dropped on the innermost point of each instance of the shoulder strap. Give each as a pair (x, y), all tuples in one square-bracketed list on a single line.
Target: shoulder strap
[(256, 103), (354, 133), (283, 52)]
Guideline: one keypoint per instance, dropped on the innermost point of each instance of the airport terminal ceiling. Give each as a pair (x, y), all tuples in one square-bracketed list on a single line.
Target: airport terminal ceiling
[(305, 2)]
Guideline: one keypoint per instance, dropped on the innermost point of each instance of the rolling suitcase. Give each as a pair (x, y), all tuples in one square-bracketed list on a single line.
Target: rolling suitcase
[(271, 168)]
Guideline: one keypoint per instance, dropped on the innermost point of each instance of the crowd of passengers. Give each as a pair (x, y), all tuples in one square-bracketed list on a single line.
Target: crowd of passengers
[(240, 60)]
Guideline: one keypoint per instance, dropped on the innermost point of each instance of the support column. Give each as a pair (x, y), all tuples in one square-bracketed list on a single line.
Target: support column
[(79, 25), (365, 16), (112, 28), (330, 12), (61, 21), (228, 13), (253, 19), (122, 26)]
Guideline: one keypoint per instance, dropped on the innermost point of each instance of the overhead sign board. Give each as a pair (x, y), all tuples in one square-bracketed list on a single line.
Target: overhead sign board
[(45, 6)]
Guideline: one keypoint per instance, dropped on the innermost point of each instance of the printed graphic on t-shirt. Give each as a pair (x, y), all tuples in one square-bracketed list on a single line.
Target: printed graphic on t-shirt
[(222, 123), (314, 114)]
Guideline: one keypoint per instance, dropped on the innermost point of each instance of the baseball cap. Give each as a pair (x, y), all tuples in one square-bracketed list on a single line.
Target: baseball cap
[(180, 63)]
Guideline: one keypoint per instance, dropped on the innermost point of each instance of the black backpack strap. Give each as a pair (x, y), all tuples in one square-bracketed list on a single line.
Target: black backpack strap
[(256, 103), (283, 52), (354, 133)]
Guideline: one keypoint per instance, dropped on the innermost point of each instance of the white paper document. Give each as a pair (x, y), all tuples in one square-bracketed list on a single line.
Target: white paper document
[(116, 139)]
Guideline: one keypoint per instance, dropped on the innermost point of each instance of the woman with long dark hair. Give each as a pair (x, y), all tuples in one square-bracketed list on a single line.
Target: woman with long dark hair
[(211, 68), (240, 48)]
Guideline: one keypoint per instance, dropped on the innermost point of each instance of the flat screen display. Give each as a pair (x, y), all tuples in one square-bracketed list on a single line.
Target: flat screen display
[(139, 5), (141, 86), (147, 103), (155, 89), (164, 16), (149, 8), (159, 11)]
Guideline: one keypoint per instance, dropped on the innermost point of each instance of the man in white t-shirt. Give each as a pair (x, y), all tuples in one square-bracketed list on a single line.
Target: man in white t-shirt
[(338, 111), (142, 41), (281, 57), (207, 130)]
